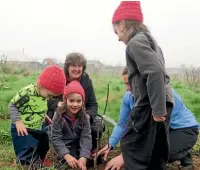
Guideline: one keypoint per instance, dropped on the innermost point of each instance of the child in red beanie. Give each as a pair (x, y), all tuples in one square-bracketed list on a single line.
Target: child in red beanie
[(27, 112), (145, 144), (71, 133)]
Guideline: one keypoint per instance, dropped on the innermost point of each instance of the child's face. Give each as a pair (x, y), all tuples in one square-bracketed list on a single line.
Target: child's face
[(46, 93), (75, 71), (125, 79), (74, 103), (120, 30)]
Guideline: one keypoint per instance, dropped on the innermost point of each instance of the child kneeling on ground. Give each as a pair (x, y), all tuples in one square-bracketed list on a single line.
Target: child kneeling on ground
[(71, 133), (27, 111)]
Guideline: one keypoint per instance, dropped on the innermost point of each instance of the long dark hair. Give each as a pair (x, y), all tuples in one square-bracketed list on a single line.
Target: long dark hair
[(136, 26), (132, 27)]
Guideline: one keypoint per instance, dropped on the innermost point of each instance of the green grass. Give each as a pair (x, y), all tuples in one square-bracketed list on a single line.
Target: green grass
[(13, 83), (7, 155), (116, 91), (190, 97)]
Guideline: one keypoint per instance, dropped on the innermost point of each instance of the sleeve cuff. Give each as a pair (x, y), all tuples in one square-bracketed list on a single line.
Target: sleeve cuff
[(63, 153), (85, 153)]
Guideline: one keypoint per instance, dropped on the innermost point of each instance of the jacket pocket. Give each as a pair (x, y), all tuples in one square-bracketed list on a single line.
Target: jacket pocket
[(141, 118)]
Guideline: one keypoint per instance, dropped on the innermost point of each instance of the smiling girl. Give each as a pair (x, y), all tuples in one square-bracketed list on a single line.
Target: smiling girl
[(75, 70), (71, 133)]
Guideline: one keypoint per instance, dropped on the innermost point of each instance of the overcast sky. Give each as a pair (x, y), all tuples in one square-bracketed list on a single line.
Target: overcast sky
[(57, 27)]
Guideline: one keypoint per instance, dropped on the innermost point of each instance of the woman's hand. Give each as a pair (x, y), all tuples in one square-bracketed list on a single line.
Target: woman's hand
[(104, 151), (115, 164)]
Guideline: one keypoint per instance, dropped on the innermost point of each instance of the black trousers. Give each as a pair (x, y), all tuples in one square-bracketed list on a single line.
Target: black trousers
[(181, 143), (145, 144)]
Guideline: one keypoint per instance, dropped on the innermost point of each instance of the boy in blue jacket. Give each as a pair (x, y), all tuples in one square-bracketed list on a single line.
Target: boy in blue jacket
[(183, 130)]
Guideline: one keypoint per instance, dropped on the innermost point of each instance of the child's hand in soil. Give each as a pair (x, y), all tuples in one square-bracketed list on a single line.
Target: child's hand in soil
[(104, 151), (82, 163), (21, 130), (73, 163)]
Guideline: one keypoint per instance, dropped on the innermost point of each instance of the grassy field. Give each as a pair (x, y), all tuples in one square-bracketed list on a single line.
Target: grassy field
[(13, 83)]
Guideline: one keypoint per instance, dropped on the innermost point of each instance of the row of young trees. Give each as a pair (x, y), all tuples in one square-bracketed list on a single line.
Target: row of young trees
[(192, 76), (3, 62)]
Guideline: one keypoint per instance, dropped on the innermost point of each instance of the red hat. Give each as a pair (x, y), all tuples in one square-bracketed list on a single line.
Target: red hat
[(53, 79), (74, 87), (128, 10)]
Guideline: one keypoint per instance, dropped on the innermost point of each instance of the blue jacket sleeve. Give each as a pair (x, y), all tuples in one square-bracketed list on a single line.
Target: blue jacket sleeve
[(126, 106)]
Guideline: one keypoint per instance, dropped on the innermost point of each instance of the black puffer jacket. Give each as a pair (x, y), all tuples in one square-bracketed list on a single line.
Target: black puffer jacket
[(91, 105)]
